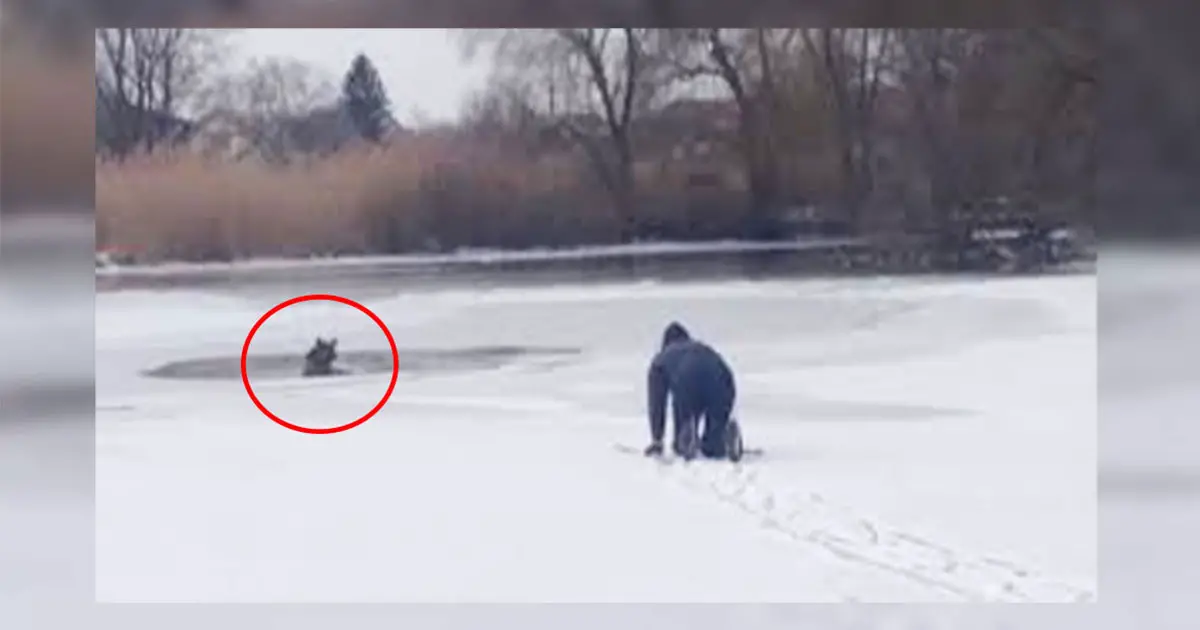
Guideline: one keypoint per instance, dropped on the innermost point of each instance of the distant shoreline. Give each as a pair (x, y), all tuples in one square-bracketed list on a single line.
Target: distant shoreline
[(661, 262), (473, 257)]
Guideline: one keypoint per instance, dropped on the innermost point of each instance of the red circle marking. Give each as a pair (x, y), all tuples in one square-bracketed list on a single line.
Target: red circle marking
[(330, 298)]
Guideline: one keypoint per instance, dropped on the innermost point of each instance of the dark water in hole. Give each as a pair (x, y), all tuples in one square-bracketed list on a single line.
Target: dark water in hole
[(412, 361)]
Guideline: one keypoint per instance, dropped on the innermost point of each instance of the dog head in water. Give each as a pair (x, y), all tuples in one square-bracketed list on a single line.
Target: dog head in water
[(320, 358)]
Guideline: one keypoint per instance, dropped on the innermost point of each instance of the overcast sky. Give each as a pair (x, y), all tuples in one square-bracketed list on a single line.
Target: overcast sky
[(422, 69)]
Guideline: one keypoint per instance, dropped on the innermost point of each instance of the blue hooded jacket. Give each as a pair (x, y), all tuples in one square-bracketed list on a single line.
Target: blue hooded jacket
[(694, 374)]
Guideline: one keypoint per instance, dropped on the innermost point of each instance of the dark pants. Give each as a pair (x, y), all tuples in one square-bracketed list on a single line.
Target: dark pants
[(714, 410)]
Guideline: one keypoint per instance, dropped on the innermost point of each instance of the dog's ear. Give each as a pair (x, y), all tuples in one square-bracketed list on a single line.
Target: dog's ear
[(333, 342)]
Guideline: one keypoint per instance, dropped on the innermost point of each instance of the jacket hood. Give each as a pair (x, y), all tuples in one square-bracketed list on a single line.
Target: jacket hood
[(674, 333)]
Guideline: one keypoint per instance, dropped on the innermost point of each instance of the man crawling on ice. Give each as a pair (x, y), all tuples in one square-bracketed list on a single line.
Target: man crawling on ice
[(700, 384)]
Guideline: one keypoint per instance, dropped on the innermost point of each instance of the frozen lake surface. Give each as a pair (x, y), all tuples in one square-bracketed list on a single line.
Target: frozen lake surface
[(929, 441), (1149, 481)]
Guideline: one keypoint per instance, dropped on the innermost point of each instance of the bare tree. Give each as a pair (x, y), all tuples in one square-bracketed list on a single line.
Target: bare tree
[(928, 67), (850, 65), (265, 104), (502, 111), (144, 77), (589, 84), (1057, 84), (1001, 114), (744, 61), (274, 87)]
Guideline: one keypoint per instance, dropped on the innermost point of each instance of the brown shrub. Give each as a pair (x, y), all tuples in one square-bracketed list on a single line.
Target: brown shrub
[(487, 198), (186, 207), (415, 195)]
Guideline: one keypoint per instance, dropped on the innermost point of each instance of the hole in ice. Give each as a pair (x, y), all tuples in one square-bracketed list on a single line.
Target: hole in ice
[(412, 361)]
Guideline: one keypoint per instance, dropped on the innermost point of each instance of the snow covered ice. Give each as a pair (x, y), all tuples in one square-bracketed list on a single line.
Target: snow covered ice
[(926, 440)]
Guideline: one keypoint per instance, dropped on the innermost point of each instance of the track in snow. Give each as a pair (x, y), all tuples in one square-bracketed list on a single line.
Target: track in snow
[(809, 519)]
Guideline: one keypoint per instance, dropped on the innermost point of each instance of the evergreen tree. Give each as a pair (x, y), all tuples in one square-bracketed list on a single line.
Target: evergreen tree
[(366, 100)]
